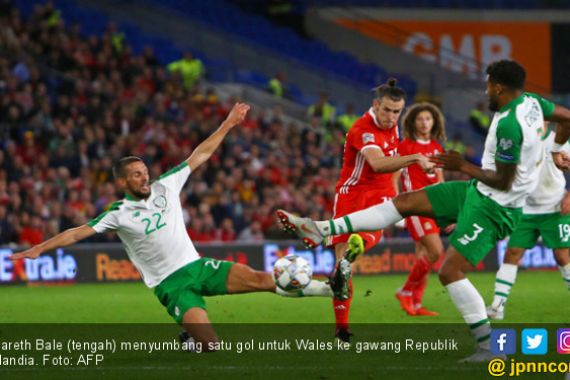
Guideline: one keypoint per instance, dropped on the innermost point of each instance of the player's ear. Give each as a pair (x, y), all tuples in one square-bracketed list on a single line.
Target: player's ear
[(121, 182)]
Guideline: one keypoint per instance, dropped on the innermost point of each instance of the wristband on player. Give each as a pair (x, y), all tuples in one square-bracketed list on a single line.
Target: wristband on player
[(557, 148)]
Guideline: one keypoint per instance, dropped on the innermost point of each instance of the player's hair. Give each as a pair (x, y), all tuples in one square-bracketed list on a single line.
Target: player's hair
[(409, 121), (119, 170), (508, 73), (390, 90)]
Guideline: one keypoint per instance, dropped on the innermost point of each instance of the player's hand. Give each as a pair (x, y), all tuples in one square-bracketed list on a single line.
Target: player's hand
[(565, 204), (425, 163), (237, 114), (561, 160), (450, 160), (449, 229), (31, 253)]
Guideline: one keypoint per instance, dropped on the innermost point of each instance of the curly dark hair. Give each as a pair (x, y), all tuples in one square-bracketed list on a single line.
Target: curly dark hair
[(508, 73), (409, 121)]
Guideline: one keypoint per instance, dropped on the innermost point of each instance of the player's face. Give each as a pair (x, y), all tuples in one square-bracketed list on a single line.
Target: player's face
[(424, 124), (388, 111), (493, 90), (138, 180)]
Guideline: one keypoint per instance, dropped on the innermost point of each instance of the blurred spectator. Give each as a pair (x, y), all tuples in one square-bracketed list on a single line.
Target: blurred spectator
[(190, 69), (479, 120), (323, 110), (252, 233), (347, 119), (455, 143), (278, 86)]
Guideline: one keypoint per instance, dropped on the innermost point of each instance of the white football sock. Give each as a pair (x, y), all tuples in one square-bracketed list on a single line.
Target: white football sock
[(472, 307), (315, 288), (506, 277), (371, 219), (565, 270)]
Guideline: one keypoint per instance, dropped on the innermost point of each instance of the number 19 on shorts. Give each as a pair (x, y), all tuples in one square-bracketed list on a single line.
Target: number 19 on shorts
[(564, 230)]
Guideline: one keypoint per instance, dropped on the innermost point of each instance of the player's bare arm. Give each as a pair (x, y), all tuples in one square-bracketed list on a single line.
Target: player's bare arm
[(205, 150), (382, 164), (500, 179), (63, 239), (561, 116)]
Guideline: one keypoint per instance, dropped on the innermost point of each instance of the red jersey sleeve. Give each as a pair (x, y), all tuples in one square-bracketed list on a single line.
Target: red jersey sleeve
[(363, 137)]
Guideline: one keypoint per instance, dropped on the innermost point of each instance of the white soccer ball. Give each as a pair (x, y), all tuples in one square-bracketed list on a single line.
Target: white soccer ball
[(292, 273)]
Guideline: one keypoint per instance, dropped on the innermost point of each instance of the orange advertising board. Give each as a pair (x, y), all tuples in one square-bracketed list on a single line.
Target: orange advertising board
[(469, 46)]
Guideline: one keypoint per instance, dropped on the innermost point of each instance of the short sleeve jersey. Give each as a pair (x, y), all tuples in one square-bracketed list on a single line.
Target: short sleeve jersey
[(356, 174), (546, 197), (152, 230), (514, 138), (413, 176)]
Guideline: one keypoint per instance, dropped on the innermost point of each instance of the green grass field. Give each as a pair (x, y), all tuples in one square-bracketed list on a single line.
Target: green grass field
[(538, 298)]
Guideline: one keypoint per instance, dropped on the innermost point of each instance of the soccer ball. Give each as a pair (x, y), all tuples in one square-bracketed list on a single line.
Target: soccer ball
[(292, 273)]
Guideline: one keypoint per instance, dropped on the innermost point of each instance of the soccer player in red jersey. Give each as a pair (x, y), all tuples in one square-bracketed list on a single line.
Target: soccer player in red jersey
[(370, 160), (424, 126)]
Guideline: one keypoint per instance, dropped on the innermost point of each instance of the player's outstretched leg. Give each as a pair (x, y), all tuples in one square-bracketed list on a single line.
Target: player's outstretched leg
[(243, 279), (374, 218)]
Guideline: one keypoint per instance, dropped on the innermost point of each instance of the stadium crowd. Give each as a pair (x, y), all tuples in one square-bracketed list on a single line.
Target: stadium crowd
[(71, 106)]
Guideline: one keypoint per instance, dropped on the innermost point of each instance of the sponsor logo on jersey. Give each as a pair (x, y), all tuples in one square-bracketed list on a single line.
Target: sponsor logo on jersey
[(505, 144), (368, 138)]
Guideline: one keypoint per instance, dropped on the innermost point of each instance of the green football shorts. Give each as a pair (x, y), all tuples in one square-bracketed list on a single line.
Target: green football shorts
[(185, 288), (481, 221), (554, 229)]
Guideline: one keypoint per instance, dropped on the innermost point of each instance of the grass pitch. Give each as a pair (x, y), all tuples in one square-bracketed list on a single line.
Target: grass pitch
[(128, 310)]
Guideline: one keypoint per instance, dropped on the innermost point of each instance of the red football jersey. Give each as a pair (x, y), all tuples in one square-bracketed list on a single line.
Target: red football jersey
[(414, 177), (356, 173)]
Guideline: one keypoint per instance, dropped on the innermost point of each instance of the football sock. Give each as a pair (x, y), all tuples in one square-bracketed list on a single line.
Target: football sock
[(506, 277), (371, 219), (565, 270), (342, 310), (472, 307), (417, 275)]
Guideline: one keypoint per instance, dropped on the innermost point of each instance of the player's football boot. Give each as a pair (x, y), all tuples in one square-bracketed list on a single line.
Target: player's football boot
[(355, 248), (304, 228), (423, 312), (482, 356), (343, 335), (497, 314), (340, 280), (406, 302)]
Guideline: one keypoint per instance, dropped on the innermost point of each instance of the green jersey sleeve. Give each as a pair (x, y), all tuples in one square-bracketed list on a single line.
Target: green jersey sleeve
[(546, 105), (509, 140)]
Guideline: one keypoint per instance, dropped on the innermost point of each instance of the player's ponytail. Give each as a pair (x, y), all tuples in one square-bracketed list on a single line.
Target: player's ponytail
[(390, 90)]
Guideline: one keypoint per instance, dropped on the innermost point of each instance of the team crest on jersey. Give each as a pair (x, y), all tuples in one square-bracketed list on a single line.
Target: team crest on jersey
[(159, 201), (368, 138), (506, 144), (427, 226), (136, 214)]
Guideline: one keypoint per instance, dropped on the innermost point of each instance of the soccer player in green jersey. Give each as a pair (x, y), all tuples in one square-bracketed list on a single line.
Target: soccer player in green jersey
[(485, 209), (545, 215), (150, 224)]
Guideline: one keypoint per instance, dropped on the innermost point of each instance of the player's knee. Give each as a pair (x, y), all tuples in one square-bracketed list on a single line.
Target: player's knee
[(562, 256), (446, 274), (513, 256)]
